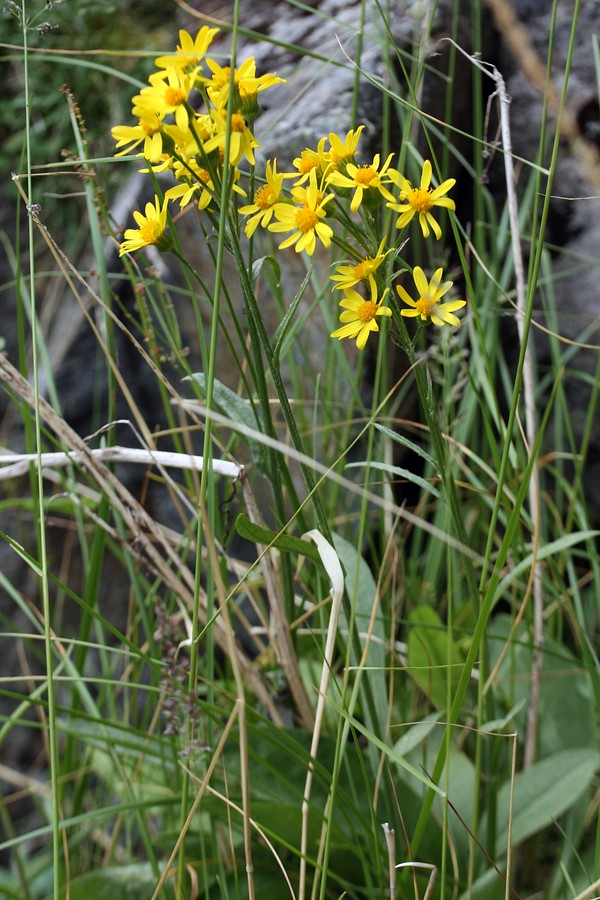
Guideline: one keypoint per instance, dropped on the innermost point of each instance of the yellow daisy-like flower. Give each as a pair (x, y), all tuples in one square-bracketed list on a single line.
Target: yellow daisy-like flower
[(420, 201), (428, 305), (241, 140), (360, 316), (265, 198), (190, 51), (167, 94), (304, 221), (202, 188), (347, 276), (343, 150), (311, 159), (366, 181), (151, 228), (146, 130), (246, 82)]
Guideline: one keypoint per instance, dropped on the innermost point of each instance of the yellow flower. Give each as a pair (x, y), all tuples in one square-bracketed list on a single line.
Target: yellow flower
[(151, 228), (147, 130), (419, 201), (343, 151), (265, 198), (311, 159), (360, 316), (304, 221), (241, 140), (245, 80), (363, 180), (187, 189), (428, 305), (168, 93), (348, 276), (190, 51)]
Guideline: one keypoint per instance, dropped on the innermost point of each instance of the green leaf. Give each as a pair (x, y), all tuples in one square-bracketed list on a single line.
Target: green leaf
[(551, 549), (428, 661), (133, 882), (362, 590), (410, 445), (423, 483), (232, 405), (258, 534), (543, 793), (285, 323), (259, 263)]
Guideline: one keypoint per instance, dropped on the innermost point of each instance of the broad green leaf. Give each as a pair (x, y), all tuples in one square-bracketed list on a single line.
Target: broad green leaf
[(232, 405), (361, 589), (258, 534), (258, 264), (543, 793), (567, 715), (132, 882), (431, 663)]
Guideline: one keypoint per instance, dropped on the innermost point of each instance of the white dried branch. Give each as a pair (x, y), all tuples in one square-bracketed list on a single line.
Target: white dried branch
[(12, 465)]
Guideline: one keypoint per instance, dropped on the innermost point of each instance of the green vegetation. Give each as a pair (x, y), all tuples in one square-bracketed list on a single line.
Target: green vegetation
[(353, 652)]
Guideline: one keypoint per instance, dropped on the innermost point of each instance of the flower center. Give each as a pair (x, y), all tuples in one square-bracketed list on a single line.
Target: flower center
[(420, 200), (151, 231), (366, 311), (425, 306), (307, 163), (238, 123), (364, 269), (264, 198), (149, 128), (174, 96), (365, 175), (306, 219)]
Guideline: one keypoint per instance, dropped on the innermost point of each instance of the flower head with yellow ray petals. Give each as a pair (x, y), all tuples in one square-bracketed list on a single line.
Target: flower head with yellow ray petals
[(167, 94), (305, 222), (428, 306), (262, 209), (190, 51), (419, 201), (151, 228), (364, 271), (359, 316), (368, 182)]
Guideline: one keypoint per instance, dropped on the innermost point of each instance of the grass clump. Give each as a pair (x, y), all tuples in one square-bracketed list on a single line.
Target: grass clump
[(338, 639)]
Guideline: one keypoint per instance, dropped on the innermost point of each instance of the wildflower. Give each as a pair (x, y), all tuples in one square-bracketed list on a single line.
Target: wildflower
[(151, 230), (187, 189), (311, 159), (241, 140), (147, 130), (360, 316), (304, 221), (265, 198), (419, 201), (365, 181), (190, 51), (428, 305), (348, 276), (245, 80), (343, 151), (168, 93)]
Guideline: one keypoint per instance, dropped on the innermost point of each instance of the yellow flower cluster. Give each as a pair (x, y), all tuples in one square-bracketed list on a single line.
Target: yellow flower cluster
[(324, 180), (194, 113), (171, 134)]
